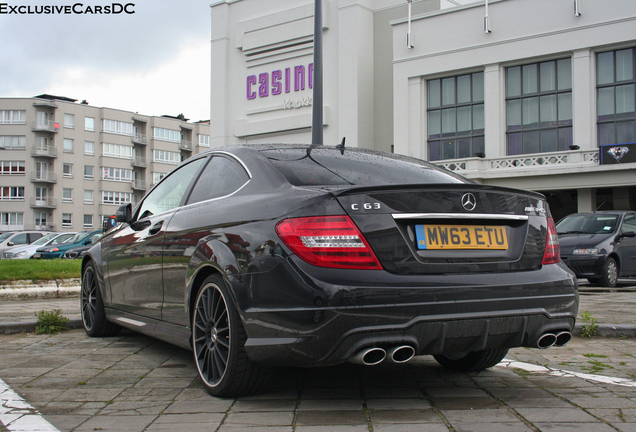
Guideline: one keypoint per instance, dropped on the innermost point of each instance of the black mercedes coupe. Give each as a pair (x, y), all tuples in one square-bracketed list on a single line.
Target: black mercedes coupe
[(274, 255)]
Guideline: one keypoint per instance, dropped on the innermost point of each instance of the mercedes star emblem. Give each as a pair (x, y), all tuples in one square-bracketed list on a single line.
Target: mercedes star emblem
[(469, 202)]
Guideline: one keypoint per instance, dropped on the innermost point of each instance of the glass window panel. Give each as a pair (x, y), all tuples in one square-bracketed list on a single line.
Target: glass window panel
[(529, 76), (448, 149), (478, 117), (513, 81), (565, 138), (434, 124), (548, 110), (564, 74), (478, 87), (463, 148), (434, 151), (463, 89), (463, 119), (547, 72), (606, 133), (530, 111), (448, 121), (565, 108), (624, 65), (531, 142), (549, 140), (625, 132), (479, 145), (605, 102), (448, 91), (625, 99), (513, 111), (605, 68), (514, 143), (434, 93)]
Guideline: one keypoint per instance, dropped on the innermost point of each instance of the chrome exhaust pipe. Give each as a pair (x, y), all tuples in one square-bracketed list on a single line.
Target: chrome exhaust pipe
[(546, 340), (369, 356), (401, 354), (562, 338)]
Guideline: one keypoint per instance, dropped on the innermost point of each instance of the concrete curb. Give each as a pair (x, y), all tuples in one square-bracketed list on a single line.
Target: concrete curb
[(30, 290), (29, 327)]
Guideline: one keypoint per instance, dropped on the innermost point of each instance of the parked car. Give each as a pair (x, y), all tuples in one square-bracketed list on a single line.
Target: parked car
[(254, 256), (79, 252), (80, 239), (26, 252), (599, 246), (18, 238)]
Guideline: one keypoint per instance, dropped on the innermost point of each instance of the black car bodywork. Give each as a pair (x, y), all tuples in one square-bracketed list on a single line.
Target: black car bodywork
[(599, 246), (286, 255)]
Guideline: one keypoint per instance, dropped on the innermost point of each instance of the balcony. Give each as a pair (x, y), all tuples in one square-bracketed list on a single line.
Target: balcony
[(47, 126), (44, 177), (138, 161), (44, 103), (139, 185), (50, 151), (185, 145), (47, 202), (140, 139)]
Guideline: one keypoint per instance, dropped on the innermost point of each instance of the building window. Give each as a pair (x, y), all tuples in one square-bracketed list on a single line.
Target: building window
[(12, 142), (117, 127), (67, 220), (88, 221), (89, 124), (68, 145), (539, 107), (166, 157), (12, 167), (117, 174), (89, 148), (166, 134), (204, 140), (89, 172), (40, 219), (67, 195), (88, 196), (157, 176), (12, 117), (456, 116), (117, 150), (67, 170), (616, 96), (69, 121), (11, 221), (12, 193), (116, 197)]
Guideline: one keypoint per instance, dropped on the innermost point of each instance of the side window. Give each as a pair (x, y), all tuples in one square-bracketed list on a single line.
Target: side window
[(629, 224), (169, 193), (20, 239), (221, 177)]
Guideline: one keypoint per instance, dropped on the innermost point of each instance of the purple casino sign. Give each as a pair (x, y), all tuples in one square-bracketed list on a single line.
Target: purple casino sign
[(276, 82)]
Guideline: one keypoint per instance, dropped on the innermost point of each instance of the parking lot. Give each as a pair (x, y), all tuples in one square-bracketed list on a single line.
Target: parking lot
[(70, 382)]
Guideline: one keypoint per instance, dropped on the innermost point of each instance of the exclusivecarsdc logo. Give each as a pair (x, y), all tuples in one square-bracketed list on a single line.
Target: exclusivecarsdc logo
[(76, 9)]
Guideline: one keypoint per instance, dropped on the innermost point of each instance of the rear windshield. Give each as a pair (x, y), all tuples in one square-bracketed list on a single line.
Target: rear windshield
[(328, 167), (587, 224)]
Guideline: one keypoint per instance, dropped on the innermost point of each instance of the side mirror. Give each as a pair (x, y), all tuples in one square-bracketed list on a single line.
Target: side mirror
[(10, 244), (628, 234), (124, 213)]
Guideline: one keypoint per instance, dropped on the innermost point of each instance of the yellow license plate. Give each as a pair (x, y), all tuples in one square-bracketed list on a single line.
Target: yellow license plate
[(461, 237)]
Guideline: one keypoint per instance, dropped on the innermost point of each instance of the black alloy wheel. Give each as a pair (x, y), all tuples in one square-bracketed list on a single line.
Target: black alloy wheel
[(92, 306), (472, 361), (218, 340)]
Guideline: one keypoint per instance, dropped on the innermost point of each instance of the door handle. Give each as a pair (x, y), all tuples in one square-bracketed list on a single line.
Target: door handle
[(155, 228)]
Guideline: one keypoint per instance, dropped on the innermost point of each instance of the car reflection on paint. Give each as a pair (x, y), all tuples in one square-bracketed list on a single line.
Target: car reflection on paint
[(273, 255)]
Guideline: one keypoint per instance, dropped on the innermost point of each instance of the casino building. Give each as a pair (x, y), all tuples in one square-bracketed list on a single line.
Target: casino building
[(535, 94)]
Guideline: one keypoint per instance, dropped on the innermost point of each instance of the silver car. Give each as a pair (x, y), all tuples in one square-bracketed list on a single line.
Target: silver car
[(27, 251)]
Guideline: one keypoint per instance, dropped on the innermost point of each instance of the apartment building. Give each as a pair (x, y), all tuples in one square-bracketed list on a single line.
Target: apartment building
[(64, 165)]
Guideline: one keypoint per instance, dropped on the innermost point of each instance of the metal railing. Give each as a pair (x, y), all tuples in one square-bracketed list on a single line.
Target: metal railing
[(140, 139), (47, 126), (139, 184), (44, 176), (185, 145), (50, 151), (138, 161), (47, 202)]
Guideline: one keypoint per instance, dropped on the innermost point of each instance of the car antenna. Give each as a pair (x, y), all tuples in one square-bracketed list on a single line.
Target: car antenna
[(602, 204), (341, 146)]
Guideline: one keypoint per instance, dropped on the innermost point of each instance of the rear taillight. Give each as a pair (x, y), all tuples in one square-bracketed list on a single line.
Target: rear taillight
[(328, 241), (552, 253)]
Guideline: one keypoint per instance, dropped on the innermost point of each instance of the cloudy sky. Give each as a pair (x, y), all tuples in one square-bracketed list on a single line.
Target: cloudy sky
[(155, 61)]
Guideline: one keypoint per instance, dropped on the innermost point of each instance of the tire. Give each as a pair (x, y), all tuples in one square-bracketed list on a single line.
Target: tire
[(92, 306), (218, 341), (472, 361), (610, 273)]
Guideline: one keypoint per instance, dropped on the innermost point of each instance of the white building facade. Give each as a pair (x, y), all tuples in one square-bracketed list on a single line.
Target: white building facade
[(539, 96)]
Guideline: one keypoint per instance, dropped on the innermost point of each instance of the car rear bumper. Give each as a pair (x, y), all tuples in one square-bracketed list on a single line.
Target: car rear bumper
[(432, 314)]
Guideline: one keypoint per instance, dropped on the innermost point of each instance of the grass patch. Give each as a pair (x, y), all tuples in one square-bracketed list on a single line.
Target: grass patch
[(39, 269), (595, 355)]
